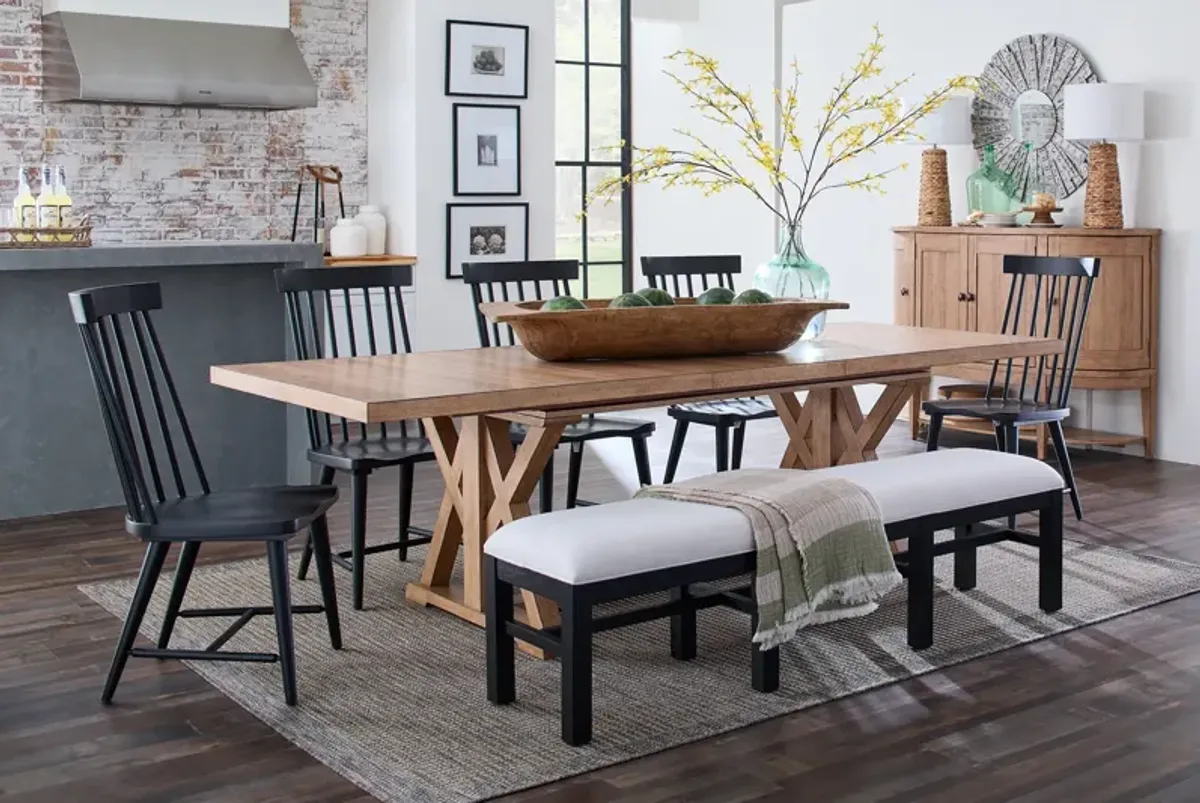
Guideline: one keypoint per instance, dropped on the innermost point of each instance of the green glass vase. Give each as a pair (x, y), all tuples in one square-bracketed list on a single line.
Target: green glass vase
[(990, 189), (791, 273)]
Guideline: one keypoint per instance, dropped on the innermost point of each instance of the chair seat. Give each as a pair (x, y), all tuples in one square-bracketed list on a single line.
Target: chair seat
[(726, 411), (596, 428), (1002, 410), (372, 453), (255, 514), (593, 544)]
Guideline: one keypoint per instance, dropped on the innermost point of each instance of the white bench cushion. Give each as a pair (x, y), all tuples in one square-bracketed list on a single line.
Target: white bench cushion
[(591, 544)]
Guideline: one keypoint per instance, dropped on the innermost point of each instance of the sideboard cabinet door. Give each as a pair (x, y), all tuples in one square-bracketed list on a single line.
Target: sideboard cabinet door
[(942, 281), (904, 247), (989, 286), (1118, 334)]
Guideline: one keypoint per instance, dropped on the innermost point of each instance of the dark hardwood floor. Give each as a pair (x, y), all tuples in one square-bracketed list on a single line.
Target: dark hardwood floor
[(1107, 713)]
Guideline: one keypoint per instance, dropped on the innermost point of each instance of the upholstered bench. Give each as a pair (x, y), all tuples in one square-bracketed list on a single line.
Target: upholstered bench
[(585, 557)]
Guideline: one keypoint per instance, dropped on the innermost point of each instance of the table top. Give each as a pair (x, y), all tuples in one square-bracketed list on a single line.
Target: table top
[(505, 380)]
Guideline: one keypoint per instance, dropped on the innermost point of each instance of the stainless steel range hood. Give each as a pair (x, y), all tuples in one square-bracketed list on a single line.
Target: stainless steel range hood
[(103, 58)]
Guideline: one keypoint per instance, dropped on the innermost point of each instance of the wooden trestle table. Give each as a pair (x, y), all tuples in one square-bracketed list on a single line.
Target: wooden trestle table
[(489, 482)]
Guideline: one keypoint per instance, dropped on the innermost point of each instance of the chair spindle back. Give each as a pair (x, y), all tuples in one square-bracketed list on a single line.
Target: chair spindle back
[(316, 298), (138, 398), (1048, 297), (491, 282), (691, 275)]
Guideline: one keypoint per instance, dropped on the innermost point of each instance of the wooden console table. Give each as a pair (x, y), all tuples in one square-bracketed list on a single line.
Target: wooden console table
[(952, 278)]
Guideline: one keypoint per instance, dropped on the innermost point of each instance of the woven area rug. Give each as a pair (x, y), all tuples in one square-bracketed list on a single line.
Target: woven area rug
[(402, 711)]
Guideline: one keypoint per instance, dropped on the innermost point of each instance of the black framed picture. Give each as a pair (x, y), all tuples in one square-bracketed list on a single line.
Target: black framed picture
[(483, 232), (487, 150), (487, 59)]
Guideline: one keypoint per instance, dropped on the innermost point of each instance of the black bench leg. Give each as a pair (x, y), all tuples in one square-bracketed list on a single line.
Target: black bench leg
[(677, 441), (764, 665), (683, 628), (576, 661), (920, 591), (1050, 555), (964, 560), (501, 648)]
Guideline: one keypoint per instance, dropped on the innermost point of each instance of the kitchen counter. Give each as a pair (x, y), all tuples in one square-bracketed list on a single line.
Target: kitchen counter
[(220, 306)]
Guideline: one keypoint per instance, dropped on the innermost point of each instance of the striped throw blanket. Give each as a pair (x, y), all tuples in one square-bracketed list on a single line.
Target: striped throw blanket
[(823, 554)]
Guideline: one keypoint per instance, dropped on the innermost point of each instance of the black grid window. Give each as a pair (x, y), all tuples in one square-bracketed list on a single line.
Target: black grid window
[(594, 117)]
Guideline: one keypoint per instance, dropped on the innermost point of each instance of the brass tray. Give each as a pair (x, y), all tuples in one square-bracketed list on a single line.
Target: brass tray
[(684, 330)]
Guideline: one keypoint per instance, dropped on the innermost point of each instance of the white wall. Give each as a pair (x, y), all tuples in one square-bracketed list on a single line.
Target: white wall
[(411, 158), (681, 220), (1149, 42), (273, 13)]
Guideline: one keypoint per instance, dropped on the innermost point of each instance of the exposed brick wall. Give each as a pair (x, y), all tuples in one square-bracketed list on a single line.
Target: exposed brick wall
[(151, 173)]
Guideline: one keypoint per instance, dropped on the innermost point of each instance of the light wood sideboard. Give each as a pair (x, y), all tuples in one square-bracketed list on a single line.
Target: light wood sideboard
[(952, 278)]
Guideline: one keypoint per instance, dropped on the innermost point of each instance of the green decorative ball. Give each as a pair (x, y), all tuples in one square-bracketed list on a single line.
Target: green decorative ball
[(563, 304), (753, 297), (656, 297), (715, 296), (629, 300)]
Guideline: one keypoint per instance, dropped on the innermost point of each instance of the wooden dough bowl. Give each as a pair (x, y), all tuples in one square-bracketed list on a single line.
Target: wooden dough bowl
[(684, 330)]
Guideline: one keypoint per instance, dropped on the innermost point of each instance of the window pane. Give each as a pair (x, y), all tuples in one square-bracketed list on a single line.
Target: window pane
[(568, 229), (606, 114), (604, 222), (604, 281), (570, 29), (570, 113), (605, 25)]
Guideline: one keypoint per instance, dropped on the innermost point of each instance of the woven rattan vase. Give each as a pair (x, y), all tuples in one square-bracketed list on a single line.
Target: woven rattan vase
[(1102, 210), (934, 206)]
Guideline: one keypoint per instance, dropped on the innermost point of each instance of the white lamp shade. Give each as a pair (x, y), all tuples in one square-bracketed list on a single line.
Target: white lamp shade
[(949, 124), (1113, 112)]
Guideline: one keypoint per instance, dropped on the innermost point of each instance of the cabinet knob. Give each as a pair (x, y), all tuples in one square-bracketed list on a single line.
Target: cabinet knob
[(962, 296), (971, 297), (903, 291)]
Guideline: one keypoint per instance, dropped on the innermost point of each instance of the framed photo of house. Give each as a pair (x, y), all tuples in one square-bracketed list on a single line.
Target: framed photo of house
[(487, 60), (485, 232), (487, 150)]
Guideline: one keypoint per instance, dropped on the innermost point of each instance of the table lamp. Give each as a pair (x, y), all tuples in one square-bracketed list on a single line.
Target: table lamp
[(949, 124), (1105, 114)]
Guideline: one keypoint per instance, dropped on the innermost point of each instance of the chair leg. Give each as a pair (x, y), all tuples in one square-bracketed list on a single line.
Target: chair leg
[(546, 487), (358, 536), (683, 628), (641, 457), (677, 440), (1050, 555), (1001, 439), (965, 563), (576, 661), (327, 474), (183, 575), (324, 558), (935, 432), (406, 494), (739, 444), (501, 649), (920, 591), (722, 437), (281, 600), (1064, 466), (152, 563), (764, 665), (1012, 440), (574, 473)]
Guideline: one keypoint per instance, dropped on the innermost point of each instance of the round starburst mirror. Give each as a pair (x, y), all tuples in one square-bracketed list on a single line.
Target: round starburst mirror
[(1019, 110)]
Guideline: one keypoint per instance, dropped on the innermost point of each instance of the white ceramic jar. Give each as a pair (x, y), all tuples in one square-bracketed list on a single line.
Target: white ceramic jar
[(372, 219), (348, 239)]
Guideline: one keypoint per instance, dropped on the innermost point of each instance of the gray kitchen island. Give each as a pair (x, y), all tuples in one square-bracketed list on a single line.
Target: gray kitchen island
[(220, 306)]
